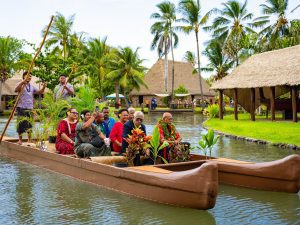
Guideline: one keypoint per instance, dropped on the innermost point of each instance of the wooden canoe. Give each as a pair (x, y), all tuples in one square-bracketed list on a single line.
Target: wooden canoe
[(282, 175), (192, 188)]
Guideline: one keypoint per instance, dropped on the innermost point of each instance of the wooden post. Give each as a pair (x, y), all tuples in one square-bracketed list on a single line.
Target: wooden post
[(252, 103), (221, 104), (236, 104), (272, 102), (294, 104)]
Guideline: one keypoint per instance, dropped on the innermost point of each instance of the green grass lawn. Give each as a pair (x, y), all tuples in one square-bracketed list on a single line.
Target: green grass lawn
[(275, 132)]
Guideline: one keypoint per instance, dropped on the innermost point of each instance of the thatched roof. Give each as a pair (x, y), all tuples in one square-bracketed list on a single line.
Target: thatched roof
[(8, 87), (183, 76), (279, 69), (274, 68)]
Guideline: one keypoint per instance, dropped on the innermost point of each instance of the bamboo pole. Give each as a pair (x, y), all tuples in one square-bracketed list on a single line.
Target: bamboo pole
[(28, 74)]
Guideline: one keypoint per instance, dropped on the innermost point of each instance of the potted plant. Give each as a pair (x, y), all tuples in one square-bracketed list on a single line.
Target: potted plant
[(156, 146), (137, 145), (207, 142), (53, 112)]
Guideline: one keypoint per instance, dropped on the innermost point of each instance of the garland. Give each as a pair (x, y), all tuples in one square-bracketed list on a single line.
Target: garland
[(167, 134)]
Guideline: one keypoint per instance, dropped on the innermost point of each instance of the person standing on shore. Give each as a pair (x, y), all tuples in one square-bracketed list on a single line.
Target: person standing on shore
[(25, 105), (63, 89)]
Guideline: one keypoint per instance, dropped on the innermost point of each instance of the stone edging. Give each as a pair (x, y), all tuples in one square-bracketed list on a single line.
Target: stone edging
[(262, 142)]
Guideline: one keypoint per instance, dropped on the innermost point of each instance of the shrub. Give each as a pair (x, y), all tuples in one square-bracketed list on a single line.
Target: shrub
[(213, 111)]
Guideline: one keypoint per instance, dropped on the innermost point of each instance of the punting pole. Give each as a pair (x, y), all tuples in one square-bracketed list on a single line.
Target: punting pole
[(29, 70)]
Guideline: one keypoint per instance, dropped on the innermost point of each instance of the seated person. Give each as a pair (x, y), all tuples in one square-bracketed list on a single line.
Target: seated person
[(168, 133), (127, 130), (89, 139), (66, 133), (116, 132)]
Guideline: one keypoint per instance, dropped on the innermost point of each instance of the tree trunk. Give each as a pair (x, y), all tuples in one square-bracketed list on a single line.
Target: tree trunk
[(117, 88), (166, 68), (199, 72), (1, 83), (173, 70)]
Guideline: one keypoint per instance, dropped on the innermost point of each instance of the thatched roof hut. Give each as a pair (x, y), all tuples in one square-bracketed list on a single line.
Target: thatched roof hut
[(183, 76), (278, 69)]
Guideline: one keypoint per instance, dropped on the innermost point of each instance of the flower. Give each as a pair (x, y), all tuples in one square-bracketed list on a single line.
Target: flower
[(137, 143)]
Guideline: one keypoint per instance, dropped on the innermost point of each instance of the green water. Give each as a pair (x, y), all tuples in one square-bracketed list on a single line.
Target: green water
[(31, 195)]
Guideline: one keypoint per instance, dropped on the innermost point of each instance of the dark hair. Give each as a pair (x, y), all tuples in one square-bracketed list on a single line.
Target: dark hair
[(62, 75), (120, 111), (25, 73), (69, 110), (105, 107), (83, 112)]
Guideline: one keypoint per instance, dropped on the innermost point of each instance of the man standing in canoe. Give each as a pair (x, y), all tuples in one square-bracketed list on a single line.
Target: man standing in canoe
[(25, 105), (63, 89)]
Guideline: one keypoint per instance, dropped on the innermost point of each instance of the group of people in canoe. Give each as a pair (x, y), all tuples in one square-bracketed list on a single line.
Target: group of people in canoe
[(92, 133)]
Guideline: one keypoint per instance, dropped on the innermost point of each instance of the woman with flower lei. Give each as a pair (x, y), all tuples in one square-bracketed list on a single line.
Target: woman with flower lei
[(168, 133)]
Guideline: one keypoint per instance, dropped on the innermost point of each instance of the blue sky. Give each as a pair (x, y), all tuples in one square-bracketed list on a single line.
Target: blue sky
[(124, 22)]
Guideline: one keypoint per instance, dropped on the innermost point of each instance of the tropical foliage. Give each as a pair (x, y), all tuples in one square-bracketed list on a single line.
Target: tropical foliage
[(207, 143)]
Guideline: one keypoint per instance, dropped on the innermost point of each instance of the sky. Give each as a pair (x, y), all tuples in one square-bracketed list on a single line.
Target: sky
[(124, 22)]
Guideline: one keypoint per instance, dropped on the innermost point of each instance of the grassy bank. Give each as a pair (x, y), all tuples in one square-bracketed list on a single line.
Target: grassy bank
[(275, 132)]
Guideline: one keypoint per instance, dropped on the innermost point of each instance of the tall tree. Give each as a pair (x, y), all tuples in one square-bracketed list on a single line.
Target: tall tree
[(219, 63), (12, 58), (98, 53), (231, 26), (191, 11), (164, 33), (126, 69), (60, 34), (272, 32)]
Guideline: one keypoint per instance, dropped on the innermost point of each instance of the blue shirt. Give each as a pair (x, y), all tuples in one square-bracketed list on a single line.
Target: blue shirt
[(108, 125)]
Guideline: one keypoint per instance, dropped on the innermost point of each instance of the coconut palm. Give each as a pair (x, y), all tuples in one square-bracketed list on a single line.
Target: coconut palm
[(98, 55), (231, 25), (126, 69), (163, 31), (191, 11), (272, 32), (219, 63), (60, 33)]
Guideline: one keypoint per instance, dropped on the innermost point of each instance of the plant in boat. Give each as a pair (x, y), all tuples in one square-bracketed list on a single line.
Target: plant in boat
[(180, 152), (155, 146), (207, 143), (137, 144)]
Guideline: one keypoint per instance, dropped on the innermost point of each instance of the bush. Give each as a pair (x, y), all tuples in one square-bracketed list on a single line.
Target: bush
[(212, 111)]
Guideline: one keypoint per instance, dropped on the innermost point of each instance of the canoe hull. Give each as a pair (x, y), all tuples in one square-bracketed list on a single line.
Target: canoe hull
[(175, 188), (281, 175)]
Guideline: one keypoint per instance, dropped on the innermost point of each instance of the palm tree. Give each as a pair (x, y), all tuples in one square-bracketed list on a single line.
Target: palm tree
[(231, 25), (98, 55), (164, 34), (219, 63), (191, 11), (11, 55), (272, 32), (60, 33), (126, 69)]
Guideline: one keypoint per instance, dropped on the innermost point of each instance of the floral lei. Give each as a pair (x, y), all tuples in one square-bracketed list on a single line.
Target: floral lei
[(167, 134)]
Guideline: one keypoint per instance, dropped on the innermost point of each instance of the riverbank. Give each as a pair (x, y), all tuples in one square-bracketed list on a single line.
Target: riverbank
[(279, 133)]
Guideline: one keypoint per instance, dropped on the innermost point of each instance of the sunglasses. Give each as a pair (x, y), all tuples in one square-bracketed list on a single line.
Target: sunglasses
[(76, 113)]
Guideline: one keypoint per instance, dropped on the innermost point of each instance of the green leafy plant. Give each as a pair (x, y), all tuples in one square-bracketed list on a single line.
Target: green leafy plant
[(212, 111), (85, 99), (155, 145), (207, 143), (52, 112)]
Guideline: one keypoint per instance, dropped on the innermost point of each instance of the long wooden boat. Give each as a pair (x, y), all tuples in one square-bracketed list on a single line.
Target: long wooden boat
[(282, 175), (193, 188)]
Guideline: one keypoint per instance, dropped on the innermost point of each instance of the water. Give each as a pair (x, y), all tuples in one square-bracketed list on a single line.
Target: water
[(30, 195)]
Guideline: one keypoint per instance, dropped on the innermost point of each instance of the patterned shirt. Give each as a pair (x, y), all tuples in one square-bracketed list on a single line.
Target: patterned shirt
[(60, 93), (26, 99)]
